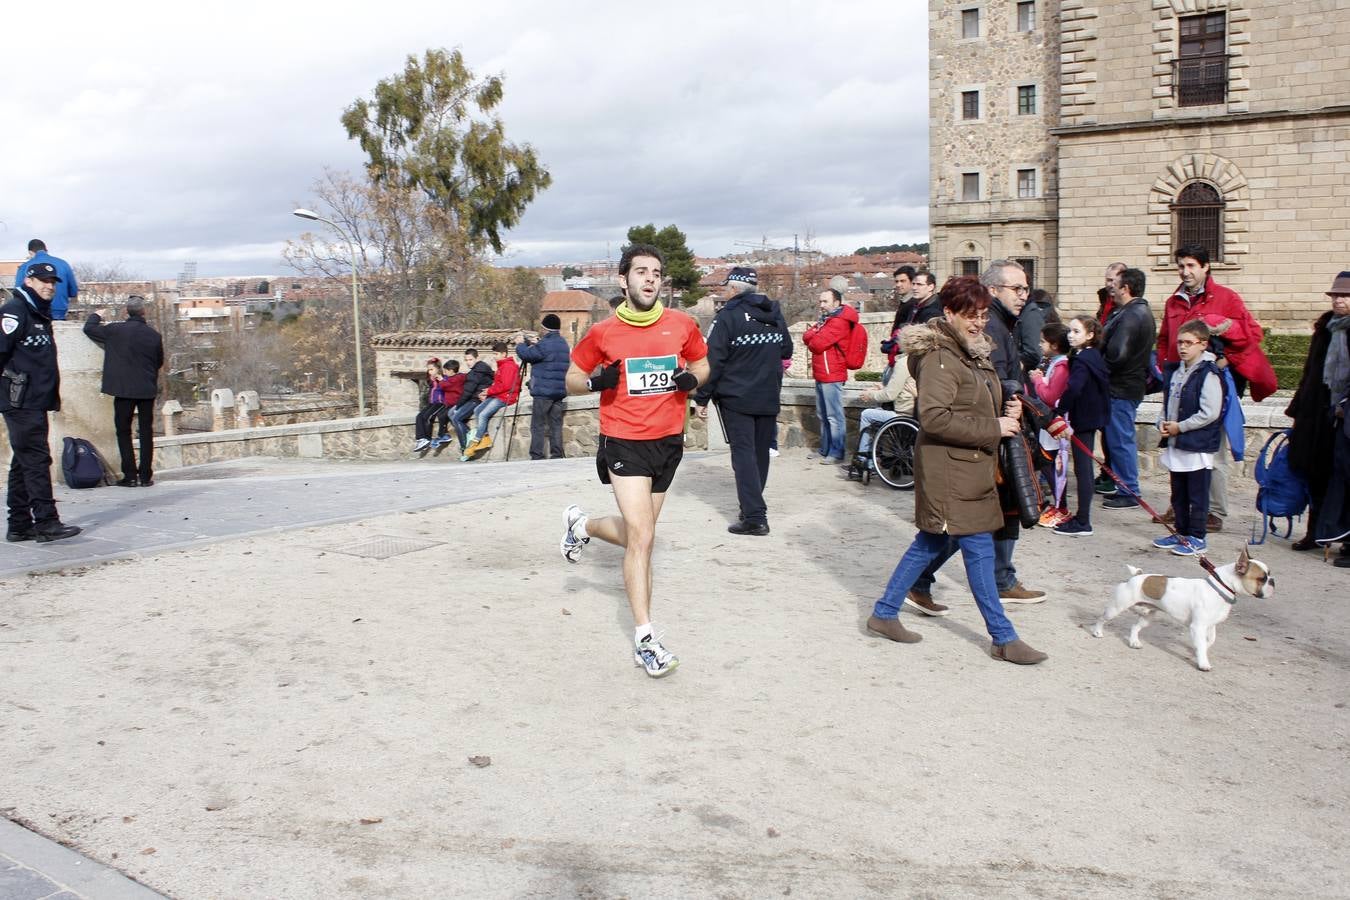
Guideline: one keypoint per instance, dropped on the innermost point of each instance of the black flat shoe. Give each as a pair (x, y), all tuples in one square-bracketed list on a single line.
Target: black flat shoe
[(56, 532), (756, 529), (15, 536), (1304, 543), (128, 482)]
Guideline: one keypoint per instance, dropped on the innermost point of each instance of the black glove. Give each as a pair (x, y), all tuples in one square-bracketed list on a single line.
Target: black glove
[(888, 346), (607, 379), (685, 380)]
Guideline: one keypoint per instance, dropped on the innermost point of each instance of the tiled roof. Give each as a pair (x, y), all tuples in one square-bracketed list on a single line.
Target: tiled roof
[(568, 301), (481, 338)]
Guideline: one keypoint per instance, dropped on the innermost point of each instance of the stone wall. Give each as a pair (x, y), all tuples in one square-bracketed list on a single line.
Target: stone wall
[(390, 437)]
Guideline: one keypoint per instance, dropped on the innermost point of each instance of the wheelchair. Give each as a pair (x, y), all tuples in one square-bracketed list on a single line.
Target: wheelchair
[(891, 456)]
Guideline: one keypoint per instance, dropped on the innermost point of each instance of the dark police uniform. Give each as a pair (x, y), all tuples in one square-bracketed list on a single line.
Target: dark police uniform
[(29, 387)]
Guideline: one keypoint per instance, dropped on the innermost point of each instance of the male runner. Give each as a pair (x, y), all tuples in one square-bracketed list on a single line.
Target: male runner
[(650, 359)]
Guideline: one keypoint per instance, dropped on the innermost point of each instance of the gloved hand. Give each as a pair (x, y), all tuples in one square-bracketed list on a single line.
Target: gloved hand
[(1058, 428), (888, 346), (606, 380), (685, 380)]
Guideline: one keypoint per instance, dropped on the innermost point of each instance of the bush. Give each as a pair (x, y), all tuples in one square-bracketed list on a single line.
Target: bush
[(862, 375)]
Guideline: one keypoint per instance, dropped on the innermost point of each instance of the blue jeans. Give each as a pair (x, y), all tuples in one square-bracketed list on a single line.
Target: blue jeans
[(977, 551), (459, 417), (484, 412), (830, 412), (1120, 443), (1005, 576)]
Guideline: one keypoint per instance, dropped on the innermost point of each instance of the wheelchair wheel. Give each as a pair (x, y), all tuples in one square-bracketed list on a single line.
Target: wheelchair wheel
[(893, 452)]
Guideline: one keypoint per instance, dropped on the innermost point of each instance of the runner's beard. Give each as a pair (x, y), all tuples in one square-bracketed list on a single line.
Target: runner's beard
[(635, 299)]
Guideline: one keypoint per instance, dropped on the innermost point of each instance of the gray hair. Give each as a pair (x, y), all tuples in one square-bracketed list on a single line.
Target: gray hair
[(739, 287), (994, 274), (135, 305)]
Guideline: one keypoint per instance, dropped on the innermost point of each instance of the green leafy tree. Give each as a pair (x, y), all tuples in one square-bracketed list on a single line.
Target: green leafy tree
[(571, 272), (680, 268), (893, 248), (432, 129)]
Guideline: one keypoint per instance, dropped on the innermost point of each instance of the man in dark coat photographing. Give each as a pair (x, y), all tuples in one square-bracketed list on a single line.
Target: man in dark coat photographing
[(133, 354)]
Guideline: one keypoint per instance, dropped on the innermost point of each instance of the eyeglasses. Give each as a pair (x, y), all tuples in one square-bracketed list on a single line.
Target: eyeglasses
[(1185, 343), (1019, 288), (982, 316)]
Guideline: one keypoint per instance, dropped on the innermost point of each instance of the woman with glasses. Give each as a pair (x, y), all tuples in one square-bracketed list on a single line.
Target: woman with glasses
[(962, 418)]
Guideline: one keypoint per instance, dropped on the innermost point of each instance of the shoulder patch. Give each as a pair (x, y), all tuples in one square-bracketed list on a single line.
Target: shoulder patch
[(9, 323)]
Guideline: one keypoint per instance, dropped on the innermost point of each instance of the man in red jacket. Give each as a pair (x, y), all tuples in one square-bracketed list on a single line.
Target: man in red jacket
[(828, 340)]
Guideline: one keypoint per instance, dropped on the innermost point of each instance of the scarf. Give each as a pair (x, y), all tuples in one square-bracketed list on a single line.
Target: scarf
[(636, 317), (1336, 370)]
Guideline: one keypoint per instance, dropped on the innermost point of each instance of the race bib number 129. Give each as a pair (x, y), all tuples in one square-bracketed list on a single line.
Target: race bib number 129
[(650, 375)]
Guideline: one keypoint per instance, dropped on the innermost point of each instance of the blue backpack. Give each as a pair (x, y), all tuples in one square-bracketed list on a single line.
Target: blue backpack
[(80, 463), (1281, 492)]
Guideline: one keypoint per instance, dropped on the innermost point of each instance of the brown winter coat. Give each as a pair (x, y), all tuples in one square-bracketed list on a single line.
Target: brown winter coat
[(956, 456)]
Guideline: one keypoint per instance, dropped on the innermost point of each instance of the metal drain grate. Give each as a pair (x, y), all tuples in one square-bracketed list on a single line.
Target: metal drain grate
[(384, 546)]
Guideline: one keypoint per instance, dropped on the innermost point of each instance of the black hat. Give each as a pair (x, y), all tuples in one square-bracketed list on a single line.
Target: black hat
[(551, 321), (744, 274), (43, 272)]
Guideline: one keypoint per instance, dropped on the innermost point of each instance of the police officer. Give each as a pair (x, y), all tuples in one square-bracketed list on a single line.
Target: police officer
[(30, 386)]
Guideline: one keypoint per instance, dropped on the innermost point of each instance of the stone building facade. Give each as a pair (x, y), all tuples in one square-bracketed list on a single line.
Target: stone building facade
[(1224, 121), (994, 94)]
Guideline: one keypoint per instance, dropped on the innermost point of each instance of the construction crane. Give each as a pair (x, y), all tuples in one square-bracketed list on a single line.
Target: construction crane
[(765, 247)]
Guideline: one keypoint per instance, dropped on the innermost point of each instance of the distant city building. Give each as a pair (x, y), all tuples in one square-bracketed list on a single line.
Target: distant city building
[(1072, 136)]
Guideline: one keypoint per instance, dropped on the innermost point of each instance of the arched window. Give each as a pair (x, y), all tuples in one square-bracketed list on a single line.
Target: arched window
[(1197, 218)]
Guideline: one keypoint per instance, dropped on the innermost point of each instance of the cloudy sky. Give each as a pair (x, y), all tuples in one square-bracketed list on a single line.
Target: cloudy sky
[(150, 134)]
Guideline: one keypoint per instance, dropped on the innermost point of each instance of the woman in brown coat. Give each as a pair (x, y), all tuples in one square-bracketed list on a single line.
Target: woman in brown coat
[(956, 463)]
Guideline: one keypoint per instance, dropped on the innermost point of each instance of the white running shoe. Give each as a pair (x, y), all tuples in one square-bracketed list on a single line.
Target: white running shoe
[(652, 655), (773, 451), (571, 545)]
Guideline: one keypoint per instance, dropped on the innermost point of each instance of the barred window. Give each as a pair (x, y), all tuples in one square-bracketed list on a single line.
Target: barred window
[(1026, 100), (970, 105), (1028, 265), (1200, 71), (1197, 218), (968, 267)]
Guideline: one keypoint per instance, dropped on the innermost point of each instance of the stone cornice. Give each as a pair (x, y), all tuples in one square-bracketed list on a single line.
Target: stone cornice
[(1200, 121)]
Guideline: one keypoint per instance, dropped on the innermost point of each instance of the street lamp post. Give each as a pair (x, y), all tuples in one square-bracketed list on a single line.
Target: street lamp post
[(356, 303)]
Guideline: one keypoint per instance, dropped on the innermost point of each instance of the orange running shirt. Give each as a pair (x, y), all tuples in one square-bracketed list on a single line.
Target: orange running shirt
[(646, 405)]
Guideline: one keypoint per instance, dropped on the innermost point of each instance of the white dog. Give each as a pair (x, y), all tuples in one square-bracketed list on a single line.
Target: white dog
[(1200, 603)]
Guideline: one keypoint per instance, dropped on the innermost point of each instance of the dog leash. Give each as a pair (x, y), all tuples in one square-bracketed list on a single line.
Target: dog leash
[(1229, 595)]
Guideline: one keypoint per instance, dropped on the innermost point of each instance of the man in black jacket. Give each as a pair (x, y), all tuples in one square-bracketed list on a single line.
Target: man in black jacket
[(1128, 339), (549, 357), (29, 387), (476, 382), (133, 354), (747, 344)]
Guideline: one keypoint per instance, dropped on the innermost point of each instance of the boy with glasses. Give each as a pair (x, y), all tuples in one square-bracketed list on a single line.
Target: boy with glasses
[(1190, 425)]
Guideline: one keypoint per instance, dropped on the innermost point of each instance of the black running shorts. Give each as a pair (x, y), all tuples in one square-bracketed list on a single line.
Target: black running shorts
[(656, 459)]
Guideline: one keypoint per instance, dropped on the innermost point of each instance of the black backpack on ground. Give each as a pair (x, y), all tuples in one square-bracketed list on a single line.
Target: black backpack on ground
[(81, 465)]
